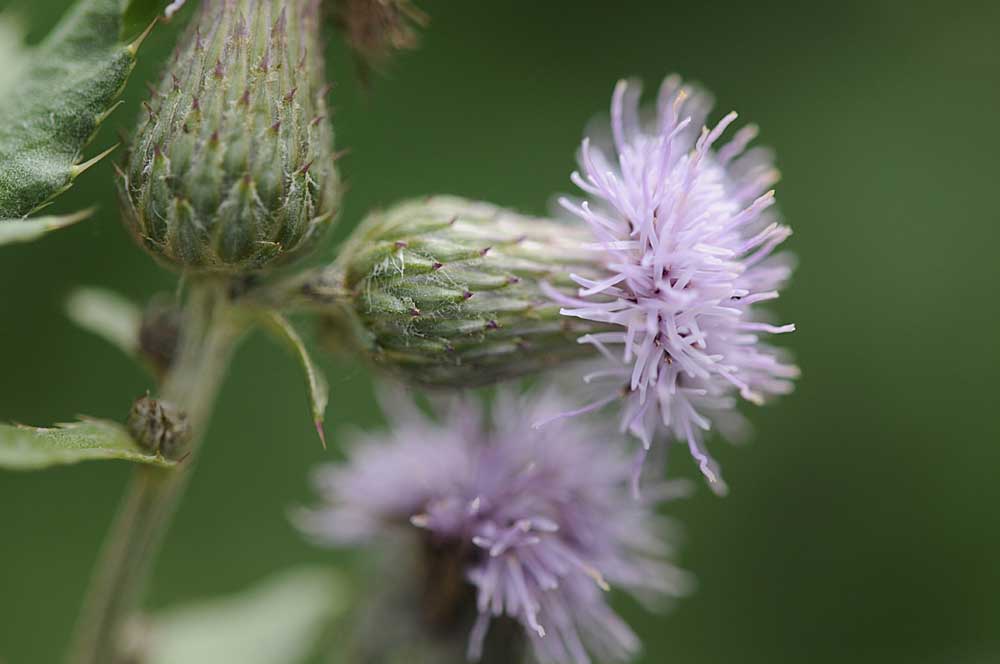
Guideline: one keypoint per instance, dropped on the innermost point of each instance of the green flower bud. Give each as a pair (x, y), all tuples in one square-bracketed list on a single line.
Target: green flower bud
[(233, 169), (449, 292)]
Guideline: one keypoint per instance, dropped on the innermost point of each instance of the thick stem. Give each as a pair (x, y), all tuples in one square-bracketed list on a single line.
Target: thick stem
[(211, 330)]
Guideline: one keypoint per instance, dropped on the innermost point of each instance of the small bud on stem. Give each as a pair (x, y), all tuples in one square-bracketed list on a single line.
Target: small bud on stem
[(159, 426), (159, 333)]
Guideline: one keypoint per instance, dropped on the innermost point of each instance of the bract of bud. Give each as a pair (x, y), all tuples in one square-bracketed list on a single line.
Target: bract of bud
[(232, 169), (449, 292)]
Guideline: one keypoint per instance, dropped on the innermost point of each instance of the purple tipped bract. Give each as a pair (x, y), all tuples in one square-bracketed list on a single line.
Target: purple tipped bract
[(547, 515), (688, 233)]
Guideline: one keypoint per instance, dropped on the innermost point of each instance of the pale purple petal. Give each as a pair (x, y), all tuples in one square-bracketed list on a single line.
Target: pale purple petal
[(688, 233)]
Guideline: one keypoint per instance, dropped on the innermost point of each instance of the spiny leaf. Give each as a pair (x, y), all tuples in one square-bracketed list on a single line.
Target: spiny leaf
[(31, 448), (278, 621), (26, 230), (108, 315), (282, 329), (62, 90), (231, 167)]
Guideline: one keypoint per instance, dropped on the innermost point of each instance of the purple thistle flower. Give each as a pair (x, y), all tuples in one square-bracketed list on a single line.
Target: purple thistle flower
[(688, 234), (547, 515)]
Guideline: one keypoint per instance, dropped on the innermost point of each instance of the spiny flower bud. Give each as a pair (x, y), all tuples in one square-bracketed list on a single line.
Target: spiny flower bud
[(448, 291), (233, 167)]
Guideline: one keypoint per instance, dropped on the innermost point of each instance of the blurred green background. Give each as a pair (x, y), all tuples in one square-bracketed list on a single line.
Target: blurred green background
[(862, 524)]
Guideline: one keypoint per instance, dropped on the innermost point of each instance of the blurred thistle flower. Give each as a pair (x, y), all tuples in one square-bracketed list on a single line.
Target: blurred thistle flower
[(688, 236), (543, 521), (374, 29)]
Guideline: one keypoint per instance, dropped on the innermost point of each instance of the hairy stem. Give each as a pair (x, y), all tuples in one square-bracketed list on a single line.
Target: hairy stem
[(212, 328)]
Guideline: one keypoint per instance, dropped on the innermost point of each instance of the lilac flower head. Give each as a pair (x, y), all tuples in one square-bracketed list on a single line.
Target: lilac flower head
[(547, 515), (687, 232)]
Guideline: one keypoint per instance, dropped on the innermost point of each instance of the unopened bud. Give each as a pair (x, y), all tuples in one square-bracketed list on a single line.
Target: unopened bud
[(159, 427), (159, 333), (232, 167), (449, 292)]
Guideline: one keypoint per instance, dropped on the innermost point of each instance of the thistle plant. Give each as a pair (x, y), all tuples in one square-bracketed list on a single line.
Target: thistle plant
[(514, 516)]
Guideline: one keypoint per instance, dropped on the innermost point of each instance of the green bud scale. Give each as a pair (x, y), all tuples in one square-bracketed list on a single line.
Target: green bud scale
[(448, 292), (232, 169)]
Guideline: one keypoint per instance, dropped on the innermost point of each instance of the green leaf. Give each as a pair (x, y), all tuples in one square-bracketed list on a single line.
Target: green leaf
[(319, 392), (107, 315), (278, 621), (12, 52), (26, 230), (30, 448), (58, 96)]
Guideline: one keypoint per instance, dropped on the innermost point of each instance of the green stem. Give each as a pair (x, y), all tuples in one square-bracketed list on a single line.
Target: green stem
[(212, 328)]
